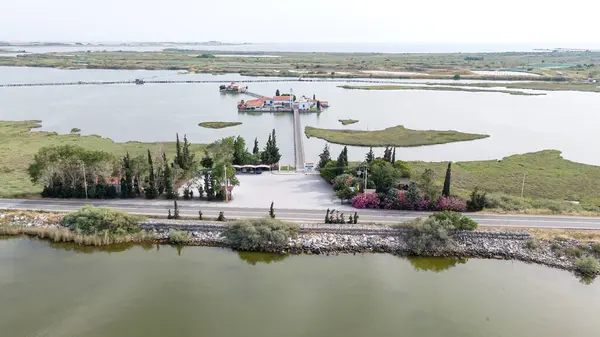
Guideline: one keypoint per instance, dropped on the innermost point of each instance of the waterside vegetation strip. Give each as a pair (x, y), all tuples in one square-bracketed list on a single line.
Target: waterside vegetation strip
[(397, 136), (437, 88), (445, 234), (553, 66), (546, 86), (218, 125)]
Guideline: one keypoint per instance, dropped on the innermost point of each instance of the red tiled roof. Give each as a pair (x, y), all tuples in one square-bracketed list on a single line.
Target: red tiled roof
[(254, 102), (281, 98), (264, 99)]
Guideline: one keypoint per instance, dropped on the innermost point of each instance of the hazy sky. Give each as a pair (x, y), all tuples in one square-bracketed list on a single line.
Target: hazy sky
[(424, 21)]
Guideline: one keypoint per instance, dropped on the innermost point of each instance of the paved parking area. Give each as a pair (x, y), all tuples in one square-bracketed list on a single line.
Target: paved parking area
[(296, 191)]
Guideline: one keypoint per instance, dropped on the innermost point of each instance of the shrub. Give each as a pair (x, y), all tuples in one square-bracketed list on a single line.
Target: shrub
[(454, 220), (92, 220), (596, 249), (366, 200), (573, 251), (451, 204), (221, 216), (178, 237), (260, 234), (532, 244), (426, 234), (587, 266), (478, 200)]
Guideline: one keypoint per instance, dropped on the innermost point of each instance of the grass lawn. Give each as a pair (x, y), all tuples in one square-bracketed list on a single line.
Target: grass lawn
[(547, 175), (436, 88), (218, 125), (348, 121), (18, 145), (547, 86), (398, 136)]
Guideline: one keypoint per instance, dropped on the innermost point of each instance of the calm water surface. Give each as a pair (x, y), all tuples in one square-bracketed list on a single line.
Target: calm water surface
[(566, 121), (56, 290)]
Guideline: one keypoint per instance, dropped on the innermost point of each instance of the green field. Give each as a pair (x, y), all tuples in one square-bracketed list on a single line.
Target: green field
[(437, 88), (547, 175), (348, 121), (18, 145), (398, 136), (218, 125)]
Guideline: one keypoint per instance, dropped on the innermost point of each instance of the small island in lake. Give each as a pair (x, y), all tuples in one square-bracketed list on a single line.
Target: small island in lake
[(398, 136), (348, 121), (218, 125)]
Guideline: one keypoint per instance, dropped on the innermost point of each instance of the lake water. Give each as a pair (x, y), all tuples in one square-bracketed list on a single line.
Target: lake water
[(566, 121), (60, 290)]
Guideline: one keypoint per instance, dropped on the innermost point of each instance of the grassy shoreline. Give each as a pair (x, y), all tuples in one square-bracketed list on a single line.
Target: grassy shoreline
[(436, 88), (397, 136), (218, 125), (564, 86)]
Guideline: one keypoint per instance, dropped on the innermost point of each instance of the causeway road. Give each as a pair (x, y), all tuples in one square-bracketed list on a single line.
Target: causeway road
[(190, 208)]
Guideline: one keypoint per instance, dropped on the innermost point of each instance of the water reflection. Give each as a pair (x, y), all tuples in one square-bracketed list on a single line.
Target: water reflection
[(435, 264), (116, 248), (253, 258)]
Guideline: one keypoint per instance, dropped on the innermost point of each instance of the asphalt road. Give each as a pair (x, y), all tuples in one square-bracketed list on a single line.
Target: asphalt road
[(191, 208)]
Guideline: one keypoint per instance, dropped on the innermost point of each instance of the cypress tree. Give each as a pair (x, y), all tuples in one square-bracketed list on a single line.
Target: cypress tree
[(277, 92), (178, 154), (387, 154), (393, 156), (370, 156), (187, 156), (151, 191), (275, 155), (447, 180), (175, 210), (327, 216), (255, 149), (167, 178), (340, 164), (325, 157), (345, 156), (266, 154), (127, 184)]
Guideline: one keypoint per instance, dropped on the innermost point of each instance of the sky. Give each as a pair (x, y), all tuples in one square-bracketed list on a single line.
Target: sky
[(303, 21)]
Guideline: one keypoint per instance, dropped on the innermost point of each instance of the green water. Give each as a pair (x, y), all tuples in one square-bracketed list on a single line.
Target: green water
[(58, 290)]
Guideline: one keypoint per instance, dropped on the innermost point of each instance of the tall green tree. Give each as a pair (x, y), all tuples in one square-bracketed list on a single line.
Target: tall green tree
[(427, 184), (277, 92), (266, 154), (255, 150), (239, 151), (151, 191), (383, 175), (447, 181), (127, 190), (341, 164), (275, 155), (187, 155), (167, 178), (324, 157), (387, 154), (178, 153), (370, 156), (345, 156), (393, 156)]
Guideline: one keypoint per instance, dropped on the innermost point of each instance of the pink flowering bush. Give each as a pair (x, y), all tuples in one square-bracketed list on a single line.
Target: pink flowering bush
[(368, 200), (451, 204)]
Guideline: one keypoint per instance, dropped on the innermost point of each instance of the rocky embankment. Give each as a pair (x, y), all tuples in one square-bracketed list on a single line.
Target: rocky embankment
[(334, 239)]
